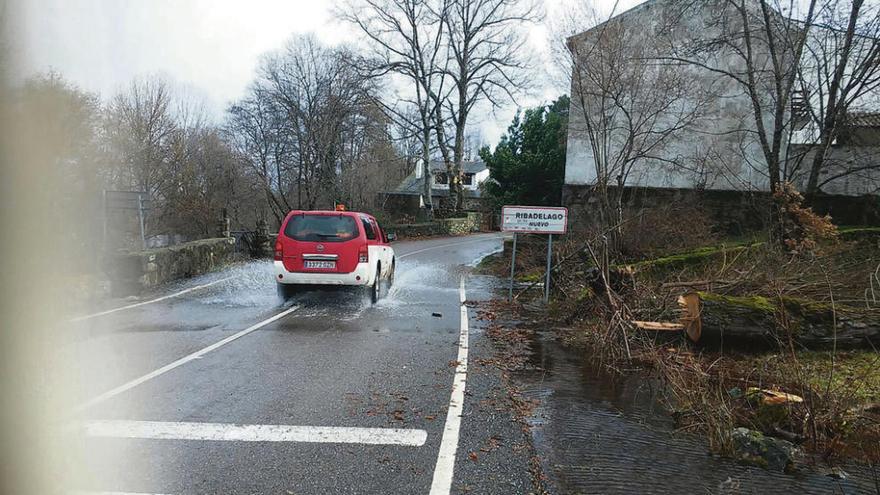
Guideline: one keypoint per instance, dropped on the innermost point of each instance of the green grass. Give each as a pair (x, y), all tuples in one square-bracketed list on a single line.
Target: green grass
[(492, 265), (856, 375), (693, 257), (855, 233), (759, 303)]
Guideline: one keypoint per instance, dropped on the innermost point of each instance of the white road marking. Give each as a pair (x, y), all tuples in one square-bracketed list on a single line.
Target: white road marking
[(151, 301), (447, 245), (196, 355), (443, 471), (199, 287), (162, 430), (79, 492)]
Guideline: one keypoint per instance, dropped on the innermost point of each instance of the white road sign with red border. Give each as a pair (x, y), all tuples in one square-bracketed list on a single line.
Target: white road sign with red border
[(534, 219)]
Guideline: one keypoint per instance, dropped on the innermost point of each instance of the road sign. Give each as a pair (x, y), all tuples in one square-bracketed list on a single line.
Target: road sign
[(534, 219)]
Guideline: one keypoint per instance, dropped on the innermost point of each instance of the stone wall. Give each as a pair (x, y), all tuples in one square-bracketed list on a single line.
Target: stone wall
[(447, 226), (402, 205), (133, 272), (465, 225), (732, 212)]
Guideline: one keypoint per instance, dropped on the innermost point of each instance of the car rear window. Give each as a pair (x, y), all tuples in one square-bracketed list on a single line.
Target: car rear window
[(321, 228)]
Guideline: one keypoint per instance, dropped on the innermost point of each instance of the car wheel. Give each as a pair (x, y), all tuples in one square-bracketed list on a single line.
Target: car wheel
[(391, 276), (285, 291), (376, 288)]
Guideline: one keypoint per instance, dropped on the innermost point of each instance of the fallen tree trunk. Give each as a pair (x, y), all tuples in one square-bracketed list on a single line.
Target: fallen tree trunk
[(713, 318), (690, 258)]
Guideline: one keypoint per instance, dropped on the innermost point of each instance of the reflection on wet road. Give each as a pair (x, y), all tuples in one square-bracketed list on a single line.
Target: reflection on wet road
[(325, 393), (230, 389)]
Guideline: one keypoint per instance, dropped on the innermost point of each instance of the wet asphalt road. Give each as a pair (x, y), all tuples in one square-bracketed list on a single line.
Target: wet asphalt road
[(332, 361)]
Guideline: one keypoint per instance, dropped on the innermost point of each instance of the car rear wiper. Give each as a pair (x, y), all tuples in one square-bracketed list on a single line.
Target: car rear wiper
[(325, 236)]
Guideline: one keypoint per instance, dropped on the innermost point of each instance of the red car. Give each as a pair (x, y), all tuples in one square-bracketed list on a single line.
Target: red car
[(333, 248)]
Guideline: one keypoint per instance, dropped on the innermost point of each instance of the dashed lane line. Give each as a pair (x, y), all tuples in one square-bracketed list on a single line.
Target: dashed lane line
[(209, 284), (180, 362), (151, 301), (80, 492)]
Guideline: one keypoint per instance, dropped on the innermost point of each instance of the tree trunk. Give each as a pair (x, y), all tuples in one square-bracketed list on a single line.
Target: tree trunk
[(816, 165), (715, 319), (441, 143), (426, 168), (835, 101), (455, 189)]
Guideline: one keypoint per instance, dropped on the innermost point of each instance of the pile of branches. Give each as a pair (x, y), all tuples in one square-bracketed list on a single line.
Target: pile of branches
[(796, 299)]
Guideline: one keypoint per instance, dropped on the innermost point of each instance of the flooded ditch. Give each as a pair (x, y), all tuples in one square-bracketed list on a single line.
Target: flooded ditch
[(600, 432)]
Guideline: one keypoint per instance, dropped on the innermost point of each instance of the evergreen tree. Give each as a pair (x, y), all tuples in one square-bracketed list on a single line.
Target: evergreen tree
[(528, 165)]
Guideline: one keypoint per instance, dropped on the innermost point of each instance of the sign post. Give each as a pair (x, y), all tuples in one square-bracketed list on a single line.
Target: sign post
[(547, 278), (534, 220), (512, 266)]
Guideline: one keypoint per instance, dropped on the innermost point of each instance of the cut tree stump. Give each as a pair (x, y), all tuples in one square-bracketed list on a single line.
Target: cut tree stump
[(726, 319)]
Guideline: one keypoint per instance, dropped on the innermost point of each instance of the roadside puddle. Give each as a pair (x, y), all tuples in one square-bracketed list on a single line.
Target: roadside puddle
[(599, 432)]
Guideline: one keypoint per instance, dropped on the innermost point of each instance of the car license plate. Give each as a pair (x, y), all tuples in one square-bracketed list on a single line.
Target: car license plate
[(321, 264)]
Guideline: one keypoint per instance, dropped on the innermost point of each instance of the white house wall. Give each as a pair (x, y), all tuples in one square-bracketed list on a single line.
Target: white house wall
[(845, 158), (479, 178), (715, 153)]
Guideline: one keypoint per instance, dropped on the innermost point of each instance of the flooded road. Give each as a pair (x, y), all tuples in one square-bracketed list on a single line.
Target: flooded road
[(229, 389), (598, 432)]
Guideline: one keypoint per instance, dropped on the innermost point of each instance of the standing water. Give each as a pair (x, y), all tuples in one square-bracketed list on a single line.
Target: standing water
[(598, 432)]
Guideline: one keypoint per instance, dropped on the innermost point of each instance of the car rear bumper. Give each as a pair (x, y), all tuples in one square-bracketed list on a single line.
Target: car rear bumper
[(360, 276)]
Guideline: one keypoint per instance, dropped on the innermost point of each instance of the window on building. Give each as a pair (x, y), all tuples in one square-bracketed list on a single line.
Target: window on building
[(441, 178), (468, 179)]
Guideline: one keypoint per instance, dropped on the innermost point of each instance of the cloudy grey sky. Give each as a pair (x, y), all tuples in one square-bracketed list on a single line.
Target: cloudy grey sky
[(208, 47)]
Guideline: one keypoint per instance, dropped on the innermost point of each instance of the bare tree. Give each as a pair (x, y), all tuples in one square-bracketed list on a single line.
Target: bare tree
[(757, 44), (629, 108), (256, 127), (839, 69), (309, 124), (488, 62), (159, 140), (456, 54), (320, 92), (409, 138), (406, 39), (139, 126)]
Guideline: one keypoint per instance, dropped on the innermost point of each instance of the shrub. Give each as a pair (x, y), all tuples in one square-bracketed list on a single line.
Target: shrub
[(799, 226)]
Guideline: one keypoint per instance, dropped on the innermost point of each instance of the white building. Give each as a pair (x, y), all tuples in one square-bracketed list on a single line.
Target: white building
[(715, 147), (408, 195)]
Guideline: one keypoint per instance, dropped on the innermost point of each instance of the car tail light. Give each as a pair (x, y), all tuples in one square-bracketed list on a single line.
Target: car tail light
[(279, 250), (364, 254)]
